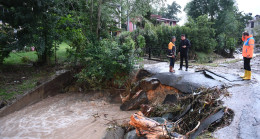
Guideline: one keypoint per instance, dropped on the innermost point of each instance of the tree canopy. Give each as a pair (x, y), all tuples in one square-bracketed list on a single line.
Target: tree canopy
[(229, 23), (169, 11)]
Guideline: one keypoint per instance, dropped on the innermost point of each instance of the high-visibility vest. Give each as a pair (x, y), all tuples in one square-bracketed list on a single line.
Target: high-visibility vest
[(171, 49), (248, 47)]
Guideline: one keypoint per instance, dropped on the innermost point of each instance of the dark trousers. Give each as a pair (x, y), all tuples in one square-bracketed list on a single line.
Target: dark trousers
[(185, 56), (247, 64), (172, 61)]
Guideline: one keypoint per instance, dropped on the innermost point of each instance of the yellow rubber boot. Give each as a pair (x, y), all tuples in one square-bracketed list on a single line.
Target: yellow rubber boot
[(248, 76), (244, 74)]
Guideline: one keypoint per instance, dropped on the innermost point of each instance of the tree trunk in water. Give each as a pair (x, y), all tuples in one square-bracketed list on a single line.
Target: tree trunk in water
[(99, 17)]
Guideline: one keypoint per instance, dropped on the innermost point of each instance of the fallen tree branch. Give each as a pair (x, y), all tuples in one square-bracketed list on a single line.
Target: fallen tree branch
[(193, 130)]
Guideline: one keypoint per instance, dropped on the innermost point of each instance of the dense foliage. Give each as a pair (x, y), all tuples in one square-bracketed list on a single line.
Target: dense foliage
[(6, 42), (88, 27), (229, 23), (169, 11), (107, 63), (157, 38), (85, 25), (35, 23)]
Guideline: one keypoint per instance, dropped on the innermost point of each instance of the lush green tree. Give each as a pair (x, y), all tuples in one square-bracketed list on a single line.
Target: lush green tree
[(7, 40), (201, 34), (138, 8), (35, 22), (229, 22), (227, 33), (106, 63), (196, 8), (169, 11), (172, 11), (151, 38)]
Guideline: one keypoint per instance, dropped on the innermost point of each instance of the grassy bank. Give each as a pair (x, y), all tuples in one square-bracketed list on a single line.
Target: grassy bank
[(20, 58), (17, 75), (206, 57)]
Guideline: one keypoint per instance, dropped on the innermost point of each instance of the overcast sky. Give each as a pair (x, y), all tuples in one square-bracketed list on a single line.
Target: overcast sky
[(247, 6)]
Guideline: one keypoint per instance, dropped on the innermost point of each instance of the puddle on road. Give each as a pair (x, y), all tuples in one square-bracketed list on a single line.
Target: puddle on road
[(60, 116)]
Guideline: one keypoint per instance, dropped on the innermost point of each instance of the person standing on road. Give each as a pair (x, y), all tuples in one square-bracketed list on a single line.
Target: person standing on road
[(172, 53), (247, 52), (183, 51)]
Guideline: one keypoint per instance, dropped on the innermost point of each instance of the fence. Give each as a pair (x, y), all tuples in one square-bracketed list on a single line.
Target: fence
[(158, 54)]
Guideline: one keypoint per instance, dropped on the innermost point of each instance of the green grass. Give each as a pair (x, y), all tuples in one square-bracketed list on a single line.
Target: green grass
[(19, 58), (203, 57), (61, 52), (8, 92), (27, 85), (6, 96), (232, 61), (211, 64), (15, 58)]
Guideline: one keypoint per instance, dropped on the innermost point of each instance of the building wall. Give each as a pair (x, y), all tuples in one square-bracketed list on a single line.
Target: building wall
[(131, 26), (253, 25)]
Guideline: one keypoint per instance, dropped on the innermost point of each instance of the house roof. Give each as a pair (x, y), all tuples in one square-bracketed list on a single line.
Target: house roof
[(159, 18)]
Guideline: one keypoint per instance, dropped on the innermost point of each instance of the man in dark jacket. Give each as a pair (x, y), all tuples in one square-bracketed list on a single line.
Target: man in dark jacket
[(183, 51)]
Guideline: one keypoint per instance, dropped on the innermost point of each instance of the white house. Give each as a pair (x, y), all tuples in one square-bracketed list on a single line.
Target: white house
[(253, 26)]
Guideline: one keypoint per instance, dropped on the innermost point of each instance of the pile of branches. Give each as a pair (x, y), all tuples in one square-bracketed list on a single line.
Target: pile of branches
[(193, 108)]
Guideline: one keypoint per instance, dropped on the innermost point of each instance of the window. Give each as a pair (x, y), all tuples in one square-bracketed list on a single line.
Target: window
[(252, 24)]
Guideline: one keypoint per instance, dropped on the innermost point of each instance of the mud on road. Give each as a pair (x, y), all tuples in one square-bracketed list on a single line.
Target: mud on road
[(244, 101)]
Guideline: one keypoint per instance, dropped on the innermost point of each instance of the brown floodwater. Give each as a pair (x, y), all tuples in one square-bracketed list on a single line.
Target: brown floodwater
[(70, 115)]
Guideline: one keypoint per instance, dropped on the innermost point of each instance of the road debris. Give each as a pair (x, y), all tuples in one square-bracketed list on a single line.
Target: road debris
[(187, 117)]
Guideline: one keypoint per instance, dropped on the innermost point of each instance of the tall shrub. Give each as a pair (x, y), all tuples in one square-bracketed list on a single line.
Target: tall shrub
[(106, 62), (202, 34)]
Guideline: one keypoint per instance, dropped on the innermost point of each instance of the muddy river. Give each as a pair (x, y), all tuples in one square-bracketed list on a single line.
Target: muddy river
[(70, 115)]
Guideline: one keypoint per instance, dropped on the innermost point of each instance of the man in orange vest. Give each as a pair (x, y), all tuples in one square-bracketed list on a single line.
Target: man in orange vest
[(248, 50), (172, 53)]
